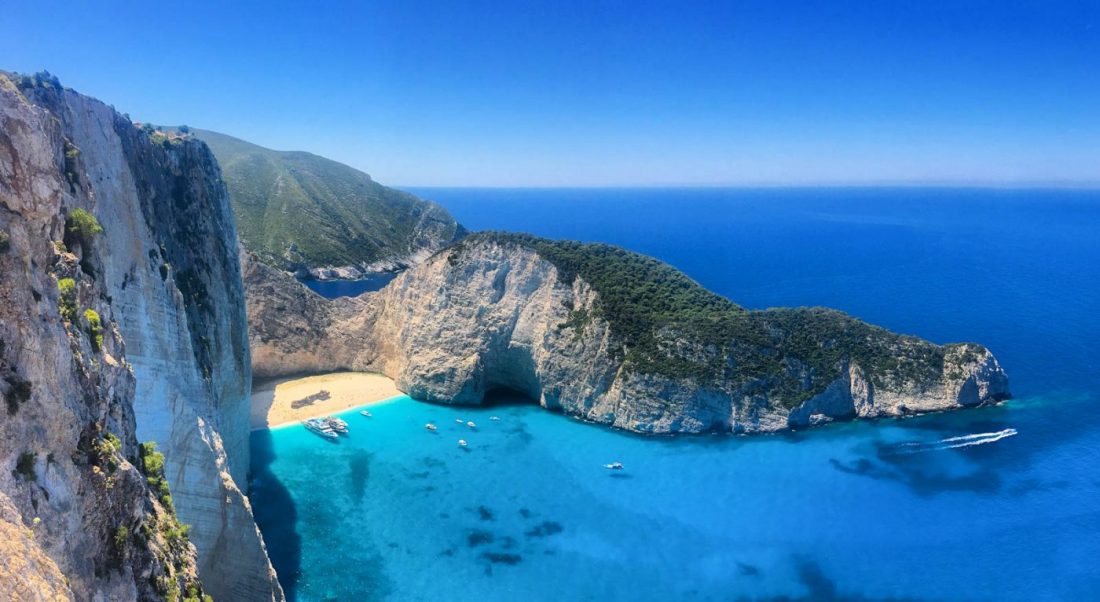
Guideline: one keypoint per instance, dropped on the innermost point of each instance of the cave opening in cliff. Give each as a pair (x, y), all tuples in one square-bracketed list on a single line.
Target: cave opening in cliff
[(506, 396)]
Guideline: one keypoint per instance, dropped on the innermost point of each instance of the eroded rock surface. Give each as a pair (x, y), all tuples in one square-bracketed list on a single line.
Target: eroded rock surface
[(170, 363)]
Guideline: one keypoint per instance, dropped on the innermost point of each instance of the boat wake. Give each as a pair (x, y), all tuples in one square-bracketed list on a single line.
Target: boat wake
[(960, 441)]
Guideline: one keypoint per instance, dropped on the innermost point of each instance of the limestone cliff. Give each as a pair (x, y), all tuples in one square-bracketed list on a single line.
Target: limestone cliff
[(134, 227), (611, 337)]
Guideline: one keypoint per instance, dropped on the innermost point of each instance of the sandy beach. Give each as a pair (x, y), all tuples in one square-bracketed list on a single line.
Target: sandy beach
[(286, 400)]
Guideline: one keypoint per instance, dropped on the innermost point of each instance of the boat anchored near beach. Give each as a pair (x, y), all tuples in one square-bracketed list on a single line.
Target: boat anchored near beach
[(614, 466), (430, 427), (336, 424), (321, 428), (366, 413)]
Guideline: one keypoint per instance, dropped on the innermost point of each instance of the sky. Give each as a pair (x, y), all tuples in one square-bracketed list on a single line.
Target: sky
[(594, 93)]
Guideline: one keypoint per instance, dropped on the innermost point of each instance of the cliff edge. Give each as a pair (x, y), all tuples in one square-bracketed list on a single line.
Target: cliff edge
[(123, 322)]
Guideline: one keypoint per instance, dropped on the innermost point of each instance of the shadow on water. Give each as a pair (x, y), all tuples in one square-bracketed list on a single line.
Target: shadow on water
[(275, 514), (923, 462), (819, 587)]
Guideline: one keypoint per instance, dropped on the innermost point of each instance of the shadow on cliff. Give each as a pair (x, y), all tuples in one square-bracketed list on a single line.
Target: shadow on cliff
[(275, 514)]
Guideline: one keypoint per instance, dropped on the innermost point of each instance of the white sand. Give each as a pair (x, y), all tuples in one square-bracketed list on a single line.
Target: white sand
[(287, 400)]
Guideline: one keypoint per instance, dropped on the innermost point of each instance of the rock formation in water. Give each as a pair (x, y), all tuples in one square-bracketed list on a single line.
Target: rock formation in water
[(123, 321), (312, 215), (609, 336)]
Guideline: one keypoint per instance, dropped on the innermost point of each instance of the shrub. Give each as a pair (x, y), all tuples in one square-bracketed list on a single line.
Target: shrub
[(67, 302), (95, 328), (152, 463), (19, 391), (5, 241), (82, 225), (185, 129), (24, 466), (105, 450), (121, 535)]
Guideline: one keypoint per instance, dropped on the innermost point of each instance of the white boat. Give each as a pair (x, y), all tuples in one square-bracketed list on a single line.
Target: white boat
[(462, 443), (471, 424), (458, 420), (365, 413), (614, 466), (494, 418), (319, 427), (336, 425), (430, 426)]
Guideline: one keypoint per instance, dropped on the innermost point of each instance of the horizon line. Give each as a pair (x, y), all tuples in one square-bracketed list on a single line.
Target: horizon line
[(1066, 186)]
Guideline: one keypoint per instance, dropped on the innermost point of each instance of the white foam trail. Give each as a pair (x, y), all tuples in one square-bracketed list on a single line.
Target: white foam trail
[(957, 442), (989, 438), (998, 435)]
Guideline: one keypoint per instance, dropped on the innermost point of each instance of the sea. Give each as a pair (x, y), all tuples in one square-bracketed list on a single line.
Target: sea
[(996, 503)]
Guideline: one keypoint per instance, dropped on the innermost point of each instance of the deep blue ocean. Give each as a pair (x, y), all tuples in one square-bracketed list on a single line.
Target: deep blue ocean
[(928, 508)]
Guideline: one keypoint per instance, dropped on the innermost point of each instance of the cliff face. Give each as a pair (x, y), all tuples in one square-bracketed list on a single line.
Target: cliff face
[(518, 313), (162, 277)]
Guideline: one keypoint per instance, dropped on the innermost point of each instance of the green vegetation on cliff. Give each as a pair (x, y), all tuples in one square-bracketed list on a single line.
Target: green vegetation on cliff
[(296, 209), (671, 326)]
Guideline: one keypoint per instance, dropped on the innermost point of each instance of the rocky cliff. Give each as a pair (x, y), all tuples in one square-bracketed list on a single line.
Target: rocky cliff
[(123, 323), (609, 336)]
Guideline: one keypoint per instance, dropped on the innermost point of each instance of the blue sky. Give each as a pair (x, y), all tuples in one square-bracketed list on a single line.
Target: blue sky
[(604, 93)]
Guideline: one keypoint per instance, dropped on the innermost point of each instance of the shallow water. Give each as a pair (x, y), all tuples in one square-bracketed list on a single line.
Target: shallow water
[(987, 504)]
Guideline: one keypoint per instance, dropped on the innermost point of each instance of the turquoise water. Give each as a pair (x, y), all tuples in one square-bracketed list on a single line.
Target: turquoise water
[(946, 507)]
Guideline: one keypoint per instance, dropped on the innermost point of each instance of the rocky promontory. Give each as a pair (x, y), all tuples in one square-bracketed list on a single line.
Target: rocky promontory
[(609, 336)]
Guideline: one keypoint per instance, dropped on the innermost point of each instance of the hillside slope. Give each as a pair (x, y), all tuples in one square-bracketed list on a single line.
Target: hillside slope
[(610, 336), (299, 211)]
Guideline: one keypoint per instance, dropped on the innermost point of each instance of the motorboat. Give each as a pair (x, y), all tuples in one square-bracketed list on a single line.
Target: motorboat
[(494, 418), (365, 413), (336, 425), (462, 443), (459, 420), (430, 426), (321, 428), (614, 466), (471, 424)]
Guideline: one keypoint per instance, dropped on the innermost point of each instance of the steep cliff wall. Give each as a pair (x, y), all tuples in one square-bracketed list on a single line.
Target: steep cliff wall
[(609, 336), (163, 279)]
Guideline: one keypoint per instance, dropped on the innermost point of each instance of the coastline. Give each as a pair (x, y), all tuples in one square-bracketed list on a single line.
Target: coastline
[(291, 400)]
